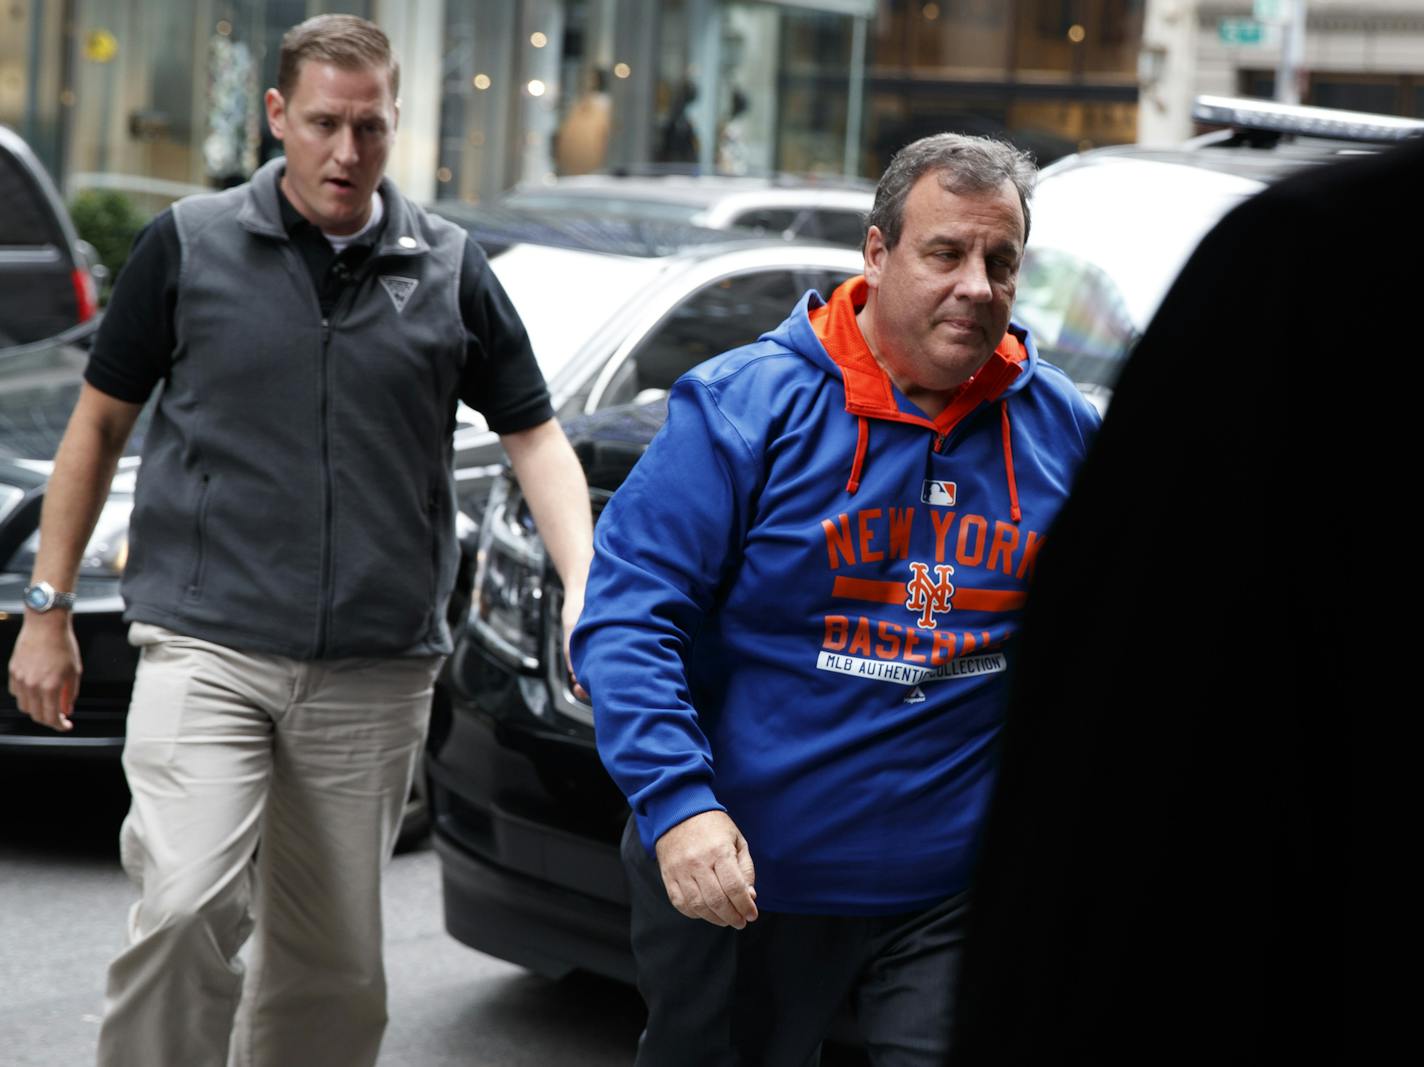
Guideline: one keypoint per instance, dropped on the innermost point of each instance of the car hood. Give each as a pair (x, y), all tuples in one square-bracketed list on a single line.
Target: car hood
[(39, 384), (609, 442), (627, 424)]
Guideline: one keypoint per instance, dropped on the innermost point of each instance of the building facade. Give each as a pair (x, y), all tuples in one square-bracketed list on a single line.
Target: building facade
[(1361, 55), (162, 96)]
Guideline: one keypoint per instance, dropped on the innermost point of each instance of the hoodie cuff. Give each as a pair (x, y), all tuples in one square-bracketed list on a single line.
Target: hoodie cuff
[(659, 815)]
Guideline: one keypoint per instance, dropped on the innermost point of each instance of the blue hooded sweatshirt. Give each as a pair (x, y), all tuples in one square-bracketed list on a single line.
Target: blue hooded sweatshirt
[(801, 599)]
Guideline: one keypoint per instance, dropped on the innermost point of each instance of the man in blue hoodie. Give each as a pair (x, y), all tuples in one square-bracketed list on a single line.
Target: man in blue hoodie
[(796, 630)]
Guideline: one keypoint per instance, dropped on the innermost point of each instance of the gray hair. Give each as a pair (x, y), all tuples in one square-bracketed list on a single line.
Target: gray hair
[(965, 165)]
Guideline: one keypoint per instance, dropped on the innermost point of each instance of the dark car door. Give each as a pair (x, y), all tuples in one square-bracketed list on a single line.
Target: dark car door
[(43, 291)]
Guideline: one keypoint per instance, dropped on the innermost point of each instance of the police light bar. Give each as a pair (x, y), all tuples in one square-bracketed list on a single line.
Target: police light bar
[(1245, 114)]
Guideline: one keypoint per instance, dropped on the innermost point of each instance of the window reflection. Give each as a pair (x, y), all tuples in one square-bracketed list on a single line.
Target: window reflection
[(815, 56), (1076, 314), (717, 318), (1098, 36)]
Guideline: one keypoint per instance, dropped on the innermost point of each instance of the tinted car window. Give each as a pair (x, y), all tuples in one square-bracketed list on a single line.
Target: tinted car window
[(1077, 315), (723, 315), (604, 205), (25, 219), (767, 220), (837, 227), (39, 297)]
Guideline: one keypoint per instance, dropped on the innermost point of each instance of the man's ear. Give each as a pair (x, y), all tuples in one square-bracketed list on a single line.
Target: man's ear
[(276, 113), (395, 125), (875, 253)]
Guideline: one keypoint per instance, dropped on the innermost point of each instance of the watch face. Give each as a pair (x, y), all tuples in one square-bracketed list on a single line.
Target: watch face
[(38, 597)]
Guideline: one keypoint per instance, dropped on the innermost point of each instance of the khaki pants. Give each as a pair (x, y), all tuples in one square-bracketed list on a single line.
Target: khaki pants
[(312, 759)]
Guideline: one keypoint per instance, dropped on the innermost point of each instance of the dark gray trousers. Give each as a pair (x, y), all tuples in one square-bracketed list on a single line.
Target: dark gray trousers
[(767, 995)]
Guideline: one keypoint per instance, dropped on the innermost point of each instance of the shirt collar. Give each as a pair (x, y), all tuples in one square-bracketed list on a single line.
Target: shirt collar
[(296, 224)]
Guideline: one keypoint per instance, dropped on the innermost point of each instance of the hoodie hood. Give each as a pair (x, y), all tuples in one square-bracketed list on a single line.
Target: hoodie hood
[(828, 334)]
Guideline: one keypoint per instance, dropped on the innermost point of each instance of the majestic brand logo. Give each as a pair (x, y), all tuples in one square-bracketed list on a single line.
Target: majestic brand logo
[(916, 696), (928, 596), (399, 289), (941, 494)]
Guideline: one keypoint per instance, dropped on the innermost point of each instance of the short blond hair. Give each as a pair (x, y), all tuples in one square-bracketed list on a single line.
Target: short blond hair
[(342, 40)]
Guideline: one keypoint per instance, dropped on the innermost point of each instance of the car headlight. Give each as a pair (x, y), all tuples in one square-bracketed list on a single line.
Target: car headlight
[(509, 579), (107, 552), (10, 497)]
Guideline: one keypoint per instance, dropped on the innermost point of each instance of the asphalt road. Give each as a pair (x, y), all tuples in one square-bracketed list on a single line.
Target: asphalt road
[(64, 900)]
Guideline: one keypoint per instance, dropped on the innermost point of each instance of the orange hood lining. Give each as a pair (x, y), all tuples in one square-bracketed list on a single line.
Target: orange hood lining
[(870, 394), (868, 388)]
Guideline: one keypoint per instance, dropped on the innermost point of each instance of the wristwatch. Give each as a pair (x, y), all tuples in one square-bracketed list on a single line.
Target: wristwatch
[(41, 597)]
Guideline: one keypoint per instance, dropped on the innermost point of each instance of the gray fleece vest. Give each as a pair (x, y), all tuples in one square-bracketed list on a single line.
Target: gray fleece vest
[(296, 494)]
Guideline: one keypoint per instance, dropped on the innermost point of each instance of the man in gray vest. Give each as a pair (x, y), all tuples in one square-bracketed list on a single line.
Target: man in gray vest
[(293, 552)]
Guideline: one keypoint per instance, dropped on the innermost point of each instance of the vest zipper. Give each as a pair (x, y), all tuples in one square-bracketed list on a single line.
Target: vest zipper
[(327, 552), (344, 300)]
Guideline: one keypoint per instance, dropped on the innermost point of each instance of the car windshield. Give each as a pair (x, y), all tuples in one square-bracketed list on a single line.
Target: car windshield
[(565, 297), (1108, 240), (570, 275), (1076, 314), (39, 384), (607, 205), (34, 411)]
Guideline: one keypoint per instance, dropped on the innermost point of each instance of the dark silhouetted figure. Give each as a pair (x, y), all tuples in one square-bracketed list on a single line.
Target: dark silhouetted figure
[(1169, 863), (678, 141)]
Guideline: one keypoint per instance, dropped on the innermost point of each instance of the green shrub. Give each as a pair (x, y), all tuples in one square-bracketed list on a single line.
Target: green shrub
[(109, 221)]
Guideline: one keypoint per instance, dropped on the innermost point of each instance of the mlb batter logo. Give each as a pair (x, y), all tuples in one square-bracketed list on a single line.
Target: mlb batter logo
[(941, 494)]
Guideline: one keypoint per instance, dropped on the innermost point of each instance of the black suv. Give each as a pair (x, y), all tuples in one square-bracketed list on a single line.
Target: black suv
[(47, 282), (527, 823)]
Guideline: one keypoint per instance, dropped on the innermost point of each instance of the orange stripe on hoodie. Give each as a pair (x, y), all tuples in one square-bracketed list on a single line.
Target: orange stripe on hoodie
[(877, 592)]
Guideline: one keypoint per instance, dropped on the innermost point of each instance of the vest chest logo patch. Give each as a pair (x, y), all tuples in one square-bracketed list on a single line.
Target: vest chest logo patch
[(941, 494), (399, 289)]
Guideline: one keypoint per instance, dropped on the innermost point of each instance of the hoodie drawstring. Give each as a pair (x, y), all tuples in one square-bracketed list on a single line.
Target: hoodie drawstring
[(862, 440), (1014, 511)]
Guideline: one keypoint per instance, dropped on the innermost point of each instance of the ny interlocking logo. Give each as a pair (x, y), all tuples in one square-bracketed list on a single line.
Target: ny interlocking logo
[(928, 596)]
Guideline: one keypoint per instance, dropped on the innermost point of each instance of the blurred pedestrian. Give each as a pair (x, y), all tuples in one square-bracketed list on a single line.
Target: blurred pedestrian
[(796, 627), (1168, 868), (732, 137), (678, 141), (582, 144), (293, 551)]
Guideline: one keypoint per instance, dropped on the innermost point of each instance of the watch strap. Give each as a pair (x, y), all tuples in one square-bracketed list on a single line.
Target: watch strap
[(51, 598)]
